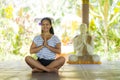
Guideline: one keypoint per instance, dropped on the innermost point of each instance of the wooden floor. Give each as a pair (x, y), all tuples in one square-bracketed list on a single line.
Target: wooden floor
[(18, 70)]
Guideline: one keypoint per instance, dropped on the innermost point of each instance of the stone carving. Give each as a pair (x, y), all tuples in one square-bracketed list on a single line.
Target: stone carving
[(83, 47)]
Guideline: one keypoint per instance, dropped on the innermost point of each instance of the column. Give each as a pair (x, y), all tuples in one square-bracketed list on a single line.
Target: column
[(85, 12)]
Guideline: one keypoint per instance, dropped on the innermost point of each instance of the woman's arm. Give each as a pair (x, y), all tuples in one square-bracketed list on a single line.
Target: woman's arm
[(56, 49), (34, 48)]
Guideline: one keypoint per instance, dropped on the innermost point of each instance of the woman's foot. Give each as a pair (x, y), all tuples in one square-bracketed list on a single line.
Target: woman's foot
[(53, 70), (36, 70)]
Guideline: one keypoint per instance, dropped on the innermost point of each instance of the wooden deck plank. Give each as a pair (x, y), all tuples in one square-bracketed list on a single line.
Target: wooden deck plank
[(19, 70)]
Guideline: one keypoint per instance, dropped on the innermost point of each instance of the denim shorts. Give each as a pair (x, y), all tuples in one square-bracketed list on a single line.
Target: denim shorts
[(44, 61)]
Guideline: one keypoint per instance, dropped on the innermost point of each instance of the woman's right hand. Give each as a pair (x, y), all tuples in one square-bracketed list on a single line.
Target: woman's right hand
[(34, 48), (45, 41)]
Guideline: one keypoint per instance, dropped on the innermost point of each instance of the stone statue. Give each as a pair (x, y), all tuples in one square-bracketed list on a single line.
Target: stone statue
[(83, 43), (83, 47)]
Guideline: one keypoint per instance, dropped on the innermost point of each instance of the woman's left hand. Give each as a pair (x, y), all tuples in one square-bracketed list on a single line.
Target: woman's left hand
[(45, 42)]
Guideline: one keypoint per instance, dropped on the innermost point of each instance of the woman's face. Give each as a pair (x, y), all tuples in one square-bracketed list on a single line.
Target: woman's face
[(45, 26)]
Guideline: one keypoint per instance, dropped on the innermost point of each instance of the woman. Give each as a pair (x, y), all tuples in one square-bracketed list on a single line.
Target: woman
[(45, 46)]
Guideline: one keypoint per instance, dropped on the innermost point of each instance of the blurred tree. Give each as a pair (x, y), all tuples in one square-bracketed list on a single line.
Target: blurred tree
[(104, 15)]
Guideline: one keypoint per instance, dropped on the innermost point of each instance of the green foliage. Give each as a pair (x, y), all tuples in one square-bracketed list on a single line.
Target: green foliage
[(1, 12), (16, 43), (114, 39), (106, 27), (26, 9), (92, 26), (17, 32)]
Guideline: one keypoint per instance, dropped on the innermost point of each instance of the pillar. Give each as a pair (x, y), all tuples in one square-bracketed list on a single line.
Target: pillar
[(85, 12)]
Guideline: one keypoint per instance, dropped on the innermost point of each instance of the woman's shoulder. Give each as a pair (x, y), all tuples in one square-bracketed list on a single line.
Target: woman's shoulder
[(55, 36), (37, 37)]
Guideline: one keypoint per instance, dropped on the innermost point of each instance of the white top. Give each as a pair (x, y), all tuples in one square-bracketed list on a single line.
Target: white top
[(45, 52)]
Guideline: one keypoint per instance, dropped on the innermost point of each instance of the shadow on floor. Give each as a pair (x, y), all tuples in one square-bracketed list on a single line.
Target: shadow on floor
[(19, 70), (45, 76)]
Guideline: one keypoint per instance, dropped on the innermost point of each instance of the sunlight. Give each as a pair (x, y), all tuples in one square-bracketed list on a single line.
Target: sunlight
[(18, 24)]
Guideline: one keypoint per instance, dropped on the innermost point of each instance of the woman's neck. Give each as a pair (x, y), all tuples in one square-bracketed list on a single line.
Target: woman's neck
[(46, 33)]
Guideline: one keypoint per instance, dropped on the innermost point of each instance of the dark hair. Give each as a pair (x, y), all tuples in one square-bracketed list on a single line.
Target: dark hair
[(51, 29)]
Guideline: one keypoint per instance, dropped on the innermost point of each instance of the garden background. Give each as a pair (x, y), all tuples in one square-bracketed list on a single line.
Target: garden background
[(19, 23)]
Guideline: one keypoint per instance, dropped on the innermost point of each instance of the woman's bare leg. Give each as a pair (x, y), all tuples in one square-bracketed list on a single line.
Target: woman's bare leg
[(26, 60), (35, 65), (57, 63), (33, 68)]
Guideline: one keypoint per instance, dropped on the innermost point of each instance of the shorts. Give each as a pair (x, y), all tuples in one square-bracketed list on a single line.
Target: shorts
[(45, 62)]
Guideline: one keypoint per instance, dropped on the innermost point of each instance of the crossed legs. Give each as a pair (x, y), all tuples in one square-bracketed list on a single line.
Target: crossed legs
[(38, 67)]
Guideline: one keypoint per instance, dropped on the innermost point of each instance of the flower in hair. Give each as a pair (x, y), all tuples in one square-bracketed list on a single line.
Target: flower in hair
[(40, 23)]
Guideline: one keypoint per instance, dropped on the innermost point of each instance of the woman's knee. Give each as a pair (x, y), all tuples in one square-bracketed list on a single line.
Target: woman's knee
[(62, 59), (27, 58)]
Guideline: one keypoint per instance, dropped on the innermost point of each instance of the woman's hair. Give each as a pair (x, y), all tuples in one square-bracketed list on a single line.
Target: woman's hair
[(51, 29)]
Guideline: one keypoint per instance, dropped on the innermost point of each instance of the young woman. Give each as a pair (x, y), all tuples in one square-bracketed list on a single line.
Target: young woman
[(45, 46)]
